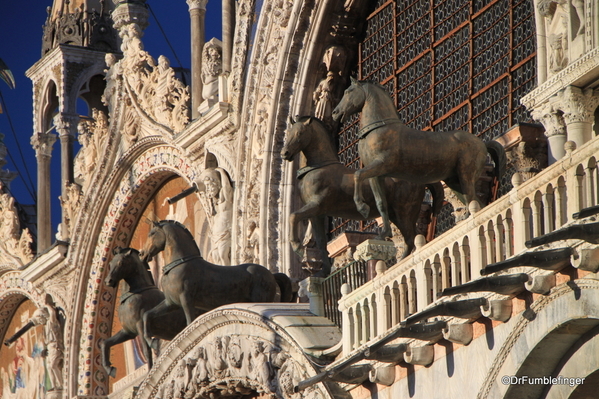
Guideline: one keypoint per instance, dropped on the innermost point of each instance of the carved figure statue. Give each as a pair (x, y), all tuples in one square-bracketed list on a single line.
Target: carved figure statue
[(218, 361), (579, 7), (198, 286), (200, 370), (215, 184), (326, 188), (70, 206), (458, 158), (181, 380), (259, 363), (324, 98), (53, 339), (141, 296), (212, 68), (556, 18)]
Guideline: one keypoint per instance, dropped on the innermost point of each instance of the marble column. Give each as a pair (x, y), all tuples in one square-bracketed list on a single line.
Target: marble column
[(228, 31), (66, 126), (578, 107), (555, 130), (197, 13), (42, 144)]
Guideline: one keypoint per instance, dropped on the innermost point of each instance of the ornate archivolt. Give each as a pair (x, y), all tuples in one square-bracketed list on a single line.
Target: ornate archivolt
[(231, 353), (15, 247), (109, 221)]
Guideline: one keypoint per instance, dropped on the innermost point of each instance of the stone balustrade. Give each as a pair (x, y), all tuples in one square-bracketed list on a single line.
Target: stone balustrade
[(497, 232)]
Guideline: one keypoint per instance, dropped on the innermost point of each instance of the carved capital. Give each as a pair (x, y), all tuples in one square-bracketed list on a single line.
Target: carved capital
[(66, 125), (197, 5), (551, 119), (42, 144), (311, 286), (375, 250), (578, 105)]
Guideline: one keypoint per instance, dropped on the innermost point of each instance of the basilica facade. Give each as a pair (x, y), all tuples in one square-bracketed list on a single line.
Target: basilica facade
[(497, 300)]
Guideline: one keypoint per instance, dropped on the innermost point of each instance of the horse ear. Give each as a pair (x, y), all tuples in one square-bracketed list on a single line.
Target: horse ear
[(308, 121), (129, 251), (291, 120), (116, 250), (155, 223), (353, 80)]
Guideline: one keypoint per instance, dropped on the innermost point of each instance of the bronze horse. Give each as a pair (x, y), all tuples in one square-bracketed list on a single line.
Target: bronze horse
[(139, 296), (326, 188), (198, 286), (388, 148)]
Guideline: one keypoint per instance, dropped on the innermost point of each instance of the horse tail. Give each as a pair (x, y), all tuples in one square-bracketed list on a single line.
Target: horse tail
[(499, 157), (284, 283), (438, 194)]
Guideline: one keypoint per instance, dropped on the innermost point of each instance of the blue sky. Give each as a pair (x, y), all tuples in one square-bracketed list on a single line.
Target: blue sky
[(20, 47)]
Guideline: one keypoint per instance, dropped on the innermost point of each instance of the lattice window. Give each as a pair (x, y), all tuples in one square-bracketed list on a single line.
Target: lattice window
[(451, 64)]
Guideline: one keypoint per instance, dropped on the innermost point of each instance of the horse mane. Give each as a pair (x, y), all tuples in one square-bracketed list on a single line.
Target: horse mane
[(182, 227), (320, 122)]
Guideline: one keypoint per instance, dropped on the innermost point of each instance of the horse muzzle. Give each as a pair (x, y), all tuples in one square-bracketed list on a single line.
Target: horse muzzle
[(145, 256), (110, 282), (286, 154), (338, 116)]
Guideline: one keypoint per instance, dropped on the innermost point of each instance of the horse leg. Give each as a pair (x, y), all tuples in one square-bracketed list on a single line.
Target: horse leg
[(306, 212), (144, 345), (187, 303), (372, 170), (377, 185), (118, 338), (318, 223), (160, 310)]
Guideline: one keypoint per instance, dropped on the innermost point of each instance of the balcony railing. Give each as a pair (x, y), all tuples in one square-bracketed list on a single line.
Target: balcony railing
[(538, 206), (354, 274)]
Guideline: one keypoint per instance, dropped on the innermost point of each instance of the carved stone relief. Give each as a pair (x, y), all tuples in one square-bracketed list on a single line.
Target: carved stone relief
[(152, 85), (326, 95), (92, 137), (234, 366), (15, 247)]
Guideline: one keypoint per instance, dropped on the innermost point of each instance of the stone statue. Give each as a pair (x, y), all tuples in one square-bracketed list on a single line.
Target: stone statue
[(324, 98), (15, 246), (54, 347), (556, 16), (70, 206), (212, 68), (216, 186)]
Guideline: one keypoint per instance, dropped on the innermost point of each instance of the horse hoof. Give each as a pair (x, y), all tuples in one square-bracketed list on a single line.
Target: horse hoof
[(364, 210), (528, 244)]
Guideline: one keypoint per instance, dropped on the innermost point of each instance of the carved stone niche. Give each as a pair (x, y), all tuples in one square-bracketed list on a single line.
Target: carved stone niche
[(242, 352), (526, 147)]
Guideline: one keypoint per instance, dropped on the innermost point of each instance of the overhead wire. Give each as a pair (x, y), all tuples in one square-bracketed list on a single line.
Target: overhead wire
[(164, 34), (30, 189)]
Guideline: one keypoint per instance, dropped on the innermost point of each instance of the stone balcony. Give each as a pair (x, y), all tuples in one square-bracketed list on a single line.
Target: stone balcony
[(495, 233)]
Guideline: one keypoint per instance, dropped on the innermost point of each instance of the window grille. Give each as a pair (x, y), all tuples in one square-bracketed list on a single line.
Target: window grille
[(449, 65)]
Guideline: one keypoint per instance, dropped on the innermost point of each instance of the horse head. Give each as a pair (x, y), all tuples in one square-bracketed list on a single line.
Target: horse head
[(155, 243), (352, 101), (122, 265), (296, 139)]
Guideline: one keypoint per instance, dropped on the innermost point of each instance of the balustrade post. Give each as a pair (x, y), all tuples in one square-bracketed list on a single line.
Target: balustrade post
[(549, 212), (500, 252), (312, 288)]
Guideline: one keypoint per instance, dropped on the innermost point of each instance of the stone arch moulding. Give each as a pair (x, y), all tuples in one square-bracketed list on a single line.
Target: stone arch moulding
[(137, 180), (88, 72), (573, 306), (234, 351), (14, 291)]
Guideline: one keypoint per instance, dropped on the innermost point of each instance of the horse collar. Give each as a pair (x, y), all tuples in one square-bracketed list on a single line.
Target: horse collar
[(129, 294), (363, 132), (178, 262), (307, 169)]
